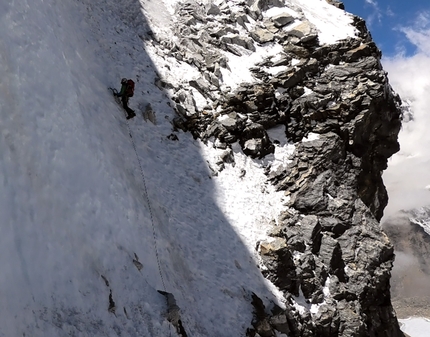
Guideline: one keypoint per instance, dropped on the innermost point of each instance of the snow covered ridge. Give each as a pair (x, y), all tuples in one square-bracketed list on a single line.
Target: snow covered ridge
[(421, 218), (249, 207), (230, 37)]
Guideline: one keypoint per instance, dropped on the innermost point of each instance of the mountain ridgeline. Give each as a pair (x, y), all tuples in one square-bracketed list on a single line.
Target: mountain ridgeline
[(327, 247)]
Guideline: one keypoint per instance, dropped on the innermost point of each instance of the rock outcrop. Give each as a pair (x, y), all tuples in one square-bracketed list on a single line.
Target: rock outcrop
[(327, 252)]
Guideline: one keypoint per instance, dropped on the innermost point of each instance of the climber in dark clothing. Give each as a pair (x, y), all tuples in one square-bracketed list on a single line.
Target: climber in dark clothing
[(127, 91)]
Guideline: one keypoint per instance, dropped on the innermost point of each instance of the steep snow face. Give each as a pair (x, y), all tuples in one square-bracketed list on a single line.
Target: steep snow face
[(69, 205), (82, 250)]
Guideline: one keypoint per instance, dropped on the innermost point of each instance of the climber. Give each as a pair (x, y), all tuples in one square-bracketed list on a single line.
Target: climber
[(127, 91)]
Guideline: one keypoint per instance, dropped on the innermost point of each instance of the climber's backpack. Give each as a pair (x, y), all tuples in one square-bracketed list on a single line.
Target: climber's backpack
[(130, 88)]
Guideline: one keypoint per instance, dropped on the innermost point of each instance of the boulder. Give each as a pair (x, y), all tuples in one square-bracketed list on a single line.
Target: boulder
[(312, 196), (282, 20), (280, 265), (255, 142), (302, 30), (262, 35), (240, 41), (213, 10)]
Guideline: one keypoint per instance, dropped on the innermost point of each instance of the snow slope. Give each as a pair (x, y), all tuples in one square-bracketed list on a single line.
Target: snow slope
[(76, 179), (415, 326)]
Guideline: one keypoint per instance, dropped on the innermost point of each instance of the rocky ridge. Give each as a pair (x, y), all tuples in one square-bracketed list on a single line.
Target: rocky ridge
[(327, 252)]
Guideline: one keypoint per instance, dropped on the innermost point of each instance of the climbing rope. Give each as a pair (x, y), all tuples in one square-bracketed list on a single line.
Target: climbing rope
[(149, 207), (150, 213)]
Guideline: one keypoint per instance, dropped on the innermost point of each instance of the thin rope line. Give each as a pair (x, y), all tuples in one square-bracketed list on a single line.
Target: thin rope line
[(149, 207), (157, 256)]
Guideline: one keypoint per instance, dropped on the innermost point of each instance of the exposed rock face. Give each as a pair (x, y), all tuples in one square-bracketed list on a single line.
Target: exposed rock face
[(336, 3), (328, 253)]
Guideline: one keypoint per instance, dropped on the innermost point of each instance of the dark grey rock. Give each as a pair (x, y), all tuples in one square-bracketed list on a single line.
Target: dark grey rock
[(202, 86), (312, 197), (336, 3), (280, 266), (262, 35), (302, 30), (281, 20), (213, 10), (255, 142), (238, 40)]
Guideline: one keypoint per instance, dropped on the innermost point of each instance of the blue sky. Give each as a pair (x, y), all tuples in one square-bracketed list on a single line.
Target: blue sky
[(388, 20)]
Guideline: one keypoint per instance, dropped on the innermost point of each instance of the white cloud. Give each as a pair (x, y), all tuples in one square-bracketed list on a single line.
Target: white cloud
[(376, 13), (419, 38), (389, 12), (408, 173), (423, 20), (417, 34), (372, 2)]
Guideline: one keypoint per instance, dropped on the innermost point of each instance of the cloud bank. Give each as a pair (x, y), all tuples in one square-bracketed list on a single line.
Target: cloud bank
[(408, 175)]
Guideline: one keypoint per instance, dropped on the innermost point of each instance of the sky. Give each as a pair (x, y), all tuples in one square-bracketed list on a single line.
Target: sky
[(390, 21)]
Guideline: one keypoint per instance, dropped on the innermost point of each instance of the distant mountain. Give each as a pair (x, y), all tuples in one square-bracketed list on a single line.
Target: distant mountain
[(409, 233)]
